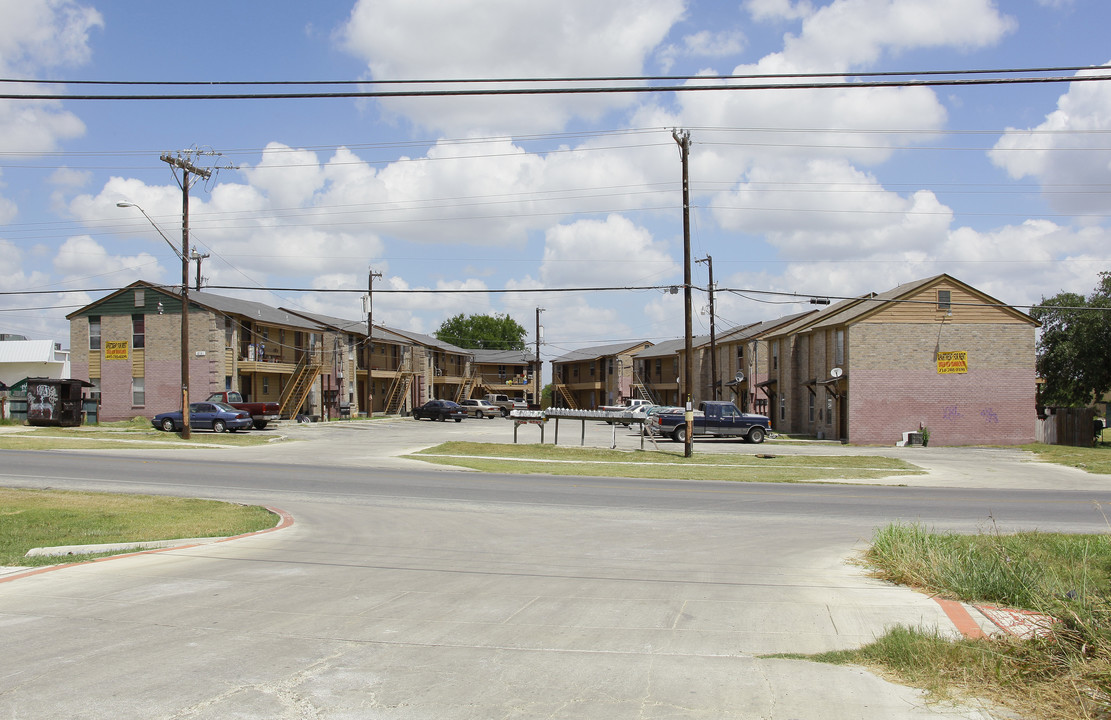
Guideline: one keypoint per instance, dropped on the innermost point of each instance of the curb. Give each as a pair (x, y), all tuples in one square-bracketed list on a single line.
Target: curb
[(285, 520)]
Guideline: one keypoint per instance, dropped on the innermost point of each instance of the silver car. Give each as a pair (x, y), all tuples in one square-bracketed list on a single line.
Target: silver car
[(480, 408)]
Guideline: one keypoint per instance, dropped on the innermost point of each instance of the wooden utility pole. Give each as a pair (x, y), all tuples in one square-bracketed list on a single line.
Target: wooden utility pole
[(198, 257), (714, 379), (186, 166), (370, 341), (683, 138), (539, 365)]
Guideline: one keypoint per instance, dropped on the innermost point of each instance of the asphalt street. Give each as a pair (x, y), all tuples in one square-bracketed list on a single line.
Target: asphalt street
[(409, 591)]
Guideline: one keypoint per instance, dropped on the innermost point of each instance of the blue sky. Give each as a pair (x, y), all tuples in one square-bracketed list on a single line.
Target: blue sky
[(831, 192)]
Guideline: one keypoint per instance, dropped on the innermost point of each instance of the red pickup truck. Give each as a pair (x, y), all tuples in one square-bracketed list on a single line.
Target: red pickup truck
[(261, 412)]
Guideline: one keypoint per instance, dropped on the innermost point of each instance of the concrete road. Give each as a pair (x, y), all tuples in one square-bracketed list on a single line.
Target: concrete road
[(439, 594)]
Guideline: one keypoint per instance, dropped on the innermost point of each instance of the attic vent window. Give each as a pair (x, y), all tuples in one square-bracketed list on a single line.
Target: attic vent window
[(140, 298), (944, 301)]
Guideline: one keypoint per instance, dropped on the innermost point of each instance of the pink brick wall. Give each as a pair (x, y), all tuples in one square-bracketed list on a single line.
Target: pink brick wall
[(988, 407), (894, 386)]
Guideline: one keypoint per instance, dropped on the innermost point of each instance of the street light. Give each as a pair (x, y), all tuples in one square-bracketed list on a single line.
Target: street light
[(153, 223), (183, 255)]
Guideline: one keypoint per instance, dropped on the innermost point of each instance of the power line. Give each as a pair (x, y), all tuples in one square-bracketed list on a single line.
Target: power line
[(710, 84)]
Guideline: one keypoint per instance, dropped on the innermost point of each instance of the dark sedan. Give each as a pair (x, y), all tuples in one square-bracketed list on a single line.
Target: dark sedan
[(214, 416), (440, 410)]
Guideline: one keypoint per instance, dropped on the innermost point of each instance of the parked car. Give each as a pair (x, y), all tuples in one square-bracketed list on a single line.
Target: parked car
[(214, 416), (261, 412), (480, 408), (440, 410)]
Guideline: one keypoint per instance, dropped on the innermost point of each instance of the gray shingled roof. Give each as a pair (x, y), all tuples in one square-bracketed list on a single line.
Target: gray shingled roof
[(597, 351), (256, 311), (503, 357), (668, 348)]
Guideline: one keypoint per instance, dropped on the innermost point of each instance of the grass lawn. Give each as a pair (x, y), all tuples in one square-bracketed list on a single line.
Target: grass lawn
[(1091, 459), (47, 518), (739, 466), (1068, 577)]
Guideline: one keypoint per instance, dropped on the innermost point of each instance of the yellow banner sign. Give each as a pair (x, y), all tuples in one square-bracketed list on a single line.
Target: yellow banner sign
[(952, 362), (115, 350)]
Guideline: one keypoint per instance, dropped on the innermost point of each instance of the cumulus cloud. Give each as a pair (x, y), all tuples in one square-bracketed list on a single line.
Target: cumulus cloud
[(427, 39), (829, 208), (596, 253), (1063, 150), (851, 33), (82, 257)]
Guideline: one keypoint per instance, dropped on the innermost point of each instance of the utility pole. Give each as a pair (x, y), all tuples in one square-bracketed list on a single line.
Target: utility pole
[(714, 379), (683, 138), (198, 257), (370, 341), (186, 166), (539, 364)]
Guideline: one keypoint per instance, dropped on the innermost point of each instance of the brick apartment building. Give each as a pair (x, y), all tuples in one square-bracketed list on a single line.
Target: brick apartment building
[(934, 353)]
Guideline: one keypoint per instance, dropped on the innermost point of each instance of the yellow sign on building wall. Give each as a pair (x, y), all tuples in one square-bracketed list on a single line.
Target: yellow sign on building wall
[(115, 350), (952, 362)]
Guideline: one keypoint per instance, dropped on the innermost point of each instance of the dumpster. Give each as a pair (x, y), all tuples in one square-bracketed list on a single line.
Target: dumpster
[(53, 401)]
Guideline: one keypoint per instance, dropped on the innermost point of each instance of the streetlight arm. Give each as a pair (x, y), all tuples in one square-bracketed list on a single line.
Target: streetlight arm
[(153, 224)]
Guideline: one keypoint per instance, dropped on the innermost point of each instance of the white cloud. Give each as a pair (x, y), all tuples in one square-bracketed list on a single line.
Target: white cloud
[(778, 9), (81, 257), (69, 178), (1065, 149), (594, 253), (851, 33), (428, 39)]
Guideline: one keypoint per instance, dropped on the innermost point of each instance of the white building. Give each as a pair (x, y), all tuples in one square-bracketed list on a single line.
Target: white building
[(21, 359)]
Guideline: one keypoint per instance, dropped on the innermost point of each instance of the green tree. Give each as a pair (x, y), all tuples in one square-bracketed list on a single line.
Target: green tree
[(483, 332), (1074, 351)]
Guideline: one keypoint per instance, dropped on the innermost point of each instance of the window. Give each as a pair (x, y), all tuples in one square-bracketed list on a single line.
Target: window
[(138, 394), (94, 391), (839, 348), (775, 355), (810, 407), (944, 301), (782, 408), (94, 332), (609, 368), (137, 332), (265, 386), (140, 298), (659, 368), (740, 356)]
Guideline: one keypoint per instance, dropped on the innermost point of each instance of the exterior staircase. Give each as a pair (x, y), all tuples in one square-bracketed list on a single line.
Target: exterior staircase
[(567, 395), (466, 386), (399, 391), (297, 390), (641, 389)]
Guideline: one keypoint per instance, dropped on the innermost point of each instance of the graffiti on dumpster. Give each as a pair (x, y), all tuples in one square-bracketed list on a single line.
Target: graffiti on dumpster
[(42, 402)]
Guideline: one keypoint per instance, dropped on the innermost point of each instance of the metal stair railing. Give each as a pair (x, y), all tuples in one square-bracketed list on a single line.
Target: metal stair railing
[(564, 392), (297, 390)]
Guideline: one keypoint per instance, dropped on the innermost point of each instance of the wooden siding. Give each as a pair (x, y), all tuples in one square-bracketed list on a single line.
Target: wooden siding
[(925, 309), (124, 304)]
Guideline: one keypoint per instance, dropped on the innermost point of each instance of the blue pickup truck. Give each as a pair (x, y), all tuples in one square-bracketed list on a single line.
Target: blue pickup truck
[(713, 419)]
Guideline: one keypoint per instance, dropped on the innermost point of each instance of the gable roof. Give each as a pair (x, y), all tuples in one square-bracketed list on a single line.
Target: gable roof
[(599, 351), (503, 357), (674, 346)]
